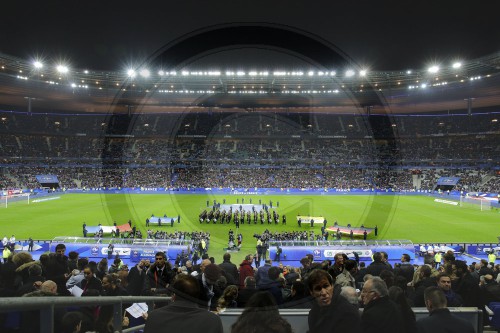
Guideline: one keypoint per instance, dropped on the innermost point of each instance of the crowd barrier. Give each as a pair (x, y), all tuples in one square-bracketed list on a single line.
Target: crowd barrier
[(298, 317)]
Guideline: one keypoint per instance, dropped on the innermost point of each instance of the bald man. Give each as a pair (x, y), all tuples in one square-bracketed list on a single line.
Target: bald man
[(49, 287)]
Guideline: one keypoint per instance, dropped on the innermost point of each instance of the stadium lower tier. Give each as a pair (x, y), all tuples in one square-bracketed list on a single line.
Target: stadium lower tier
[(131, 251)]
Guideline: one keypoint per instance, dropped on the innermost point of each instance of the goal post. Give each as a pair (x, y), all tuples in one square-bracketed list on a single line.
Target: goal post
[(479, 203), (10, 198)]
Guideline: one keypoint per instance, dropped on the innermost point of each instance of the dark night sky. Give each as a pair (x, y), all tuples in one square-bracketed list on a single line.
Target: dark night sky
[(383, 35)]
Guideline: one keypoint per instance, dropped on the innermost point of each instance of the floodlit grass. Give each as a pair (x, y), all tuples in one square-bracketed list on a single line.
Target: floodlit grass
[(417, 218)]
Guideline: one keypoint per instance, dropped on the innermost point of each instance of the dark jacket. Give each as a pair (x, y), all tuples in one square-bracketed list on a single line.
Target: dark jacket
[(183, 316), (135, 279), (230, 271), (156, 280), (57, 266), (376, 267), (382, 315), (339, 316), (442, 321), (405, 270)]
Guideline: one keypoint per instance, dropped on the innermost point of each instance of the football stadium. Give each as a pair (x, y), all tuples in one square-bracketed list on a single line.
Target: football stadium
[(317, 173)]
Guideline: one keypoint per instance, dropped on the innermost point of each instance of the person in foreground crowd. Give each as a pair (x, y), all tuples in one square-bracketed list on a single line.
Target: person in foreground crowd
[(440, 319), (183, 314), (397, 295), (331, 312), (261, 315), (158, 276), (380, 314)]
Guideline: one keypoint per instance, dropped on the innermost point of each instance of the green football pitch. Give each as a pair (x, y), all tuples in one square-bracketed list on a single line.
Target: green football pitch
[(415, 218)]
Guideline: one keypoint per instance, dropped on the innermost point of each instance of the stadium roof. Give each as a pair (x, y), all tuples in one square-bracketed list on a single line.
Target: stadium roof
[(412, 57), (388, 35)]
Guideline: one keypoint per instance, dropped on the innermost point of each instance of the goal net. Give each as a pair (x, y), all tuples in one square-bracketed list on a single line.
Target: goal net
[(478, 203), (6, 200)]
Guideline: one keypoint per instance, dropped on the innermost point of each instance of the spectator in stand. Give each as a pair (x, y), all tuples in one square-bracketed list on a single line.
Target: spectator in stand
[(274, 286), (77, 274), (261, 315), (57, 269), (444, 283), (380, 314), (261, 276), (136, 278), (209, 290), (330, 312), (158, 276), (440, 319), (397, 295), (229, 270), (247, 292), (228, 298), (246, 269), (377, 266), (405, 269), (90, 281), (346, 277)]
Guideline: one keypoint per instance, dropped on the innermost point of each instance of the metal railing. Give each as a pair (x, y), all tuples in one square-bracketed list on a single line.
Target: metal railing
[(46, 306)]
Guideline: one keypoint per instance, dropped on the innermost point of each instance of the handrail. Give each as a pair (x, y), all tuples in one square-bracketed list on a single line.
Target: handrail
[(46, 306)]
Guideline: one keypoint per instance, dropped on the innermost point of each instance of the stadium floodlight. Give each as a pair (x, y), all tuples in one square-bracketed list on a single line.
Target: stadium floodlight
[(433, 69), (456, 65), (37, 64), (349, 73), (145, 72), (131, 73), (161, 73), (409, 72), (310, 73), (362, 72), (62, 69)]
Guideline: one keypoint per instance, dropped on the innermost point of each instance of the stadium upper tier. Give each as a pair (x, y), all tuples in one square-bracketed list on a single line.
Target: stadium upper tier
[(280, 129)]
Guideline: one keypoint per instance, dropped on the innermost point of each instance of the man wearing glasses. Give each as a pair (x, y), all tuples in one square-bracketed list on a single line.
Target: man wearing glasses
[(380, 314), (158, 276)]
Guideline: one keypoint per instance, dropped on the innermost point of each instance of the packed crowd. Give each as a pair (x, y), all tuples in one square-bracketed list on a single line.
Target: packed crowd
[(334, 151), (328, 289), (342, 178)]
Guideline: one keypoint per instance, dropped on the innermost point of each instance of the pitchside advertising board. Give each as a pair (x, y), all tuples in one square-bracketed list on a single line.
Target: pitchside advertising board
[(132, 252), (295, 253)]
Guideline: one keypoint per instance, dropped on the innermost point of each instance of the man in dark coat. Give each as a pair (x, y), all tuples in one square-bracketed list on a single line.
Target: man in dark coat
[(380, 314), (440, 319), (183, 314), (136, 277), (158, 276), (406, 269), (209, 291), (330, 312), (377, 266), (57, 269), (229, 270)]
